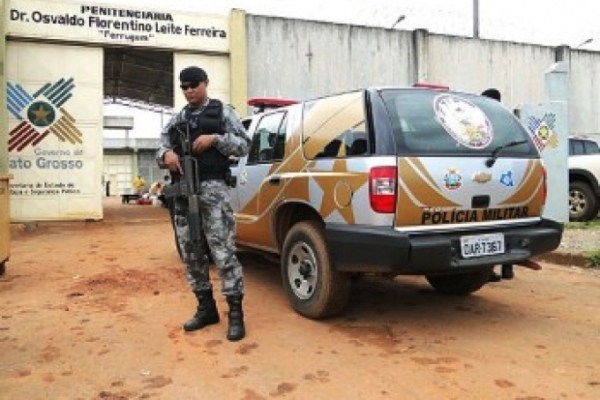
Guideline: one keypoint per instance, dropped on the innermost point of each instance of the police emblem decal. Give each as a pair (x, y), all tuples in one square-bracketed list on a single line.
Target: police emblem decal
[(507, 179), (466, 123), (452, 179)]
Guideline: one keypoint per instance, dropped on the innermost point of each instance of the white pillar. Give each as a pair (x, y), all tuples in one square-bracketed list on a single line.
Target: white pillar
[(549, 123)]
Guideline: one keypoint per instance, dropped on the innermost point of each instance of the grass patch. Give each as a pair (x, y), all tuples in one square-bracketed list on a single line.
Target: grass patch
[(593, 224), (593, 258)]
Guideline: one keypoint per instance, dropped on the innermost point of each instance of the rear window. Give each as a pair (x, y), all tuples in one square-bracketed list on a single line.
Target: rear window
[(425, 122), (335, 127), (591, 148), (582, 147)]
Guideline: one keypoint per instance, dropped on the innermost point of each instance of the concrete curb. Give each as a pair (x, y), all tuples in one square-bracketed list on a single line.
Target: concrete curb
[(563, 258)]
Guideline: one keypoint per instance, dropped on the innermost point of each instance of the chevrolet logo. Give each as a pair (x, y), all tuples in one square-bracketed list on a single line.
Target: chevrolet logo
[(482, 177)]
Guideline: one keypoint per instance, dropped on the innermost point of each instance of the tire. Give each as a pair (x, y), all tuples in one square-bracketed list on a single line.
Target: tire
[(314, 288), (460, 284), (583, 204)]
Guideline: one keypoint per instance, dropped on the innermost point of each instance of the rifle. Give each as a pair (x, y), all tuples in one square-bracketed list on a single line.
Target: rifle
[(189, 187)]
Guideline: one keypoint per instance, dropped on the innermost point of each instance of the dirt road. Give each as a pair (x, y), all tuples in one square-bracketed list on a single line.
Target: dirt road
[(93, 311)]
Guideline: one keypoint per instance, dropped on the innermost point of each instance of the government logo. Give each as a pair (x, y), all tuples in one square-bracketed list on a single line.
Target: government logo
[(41, 114)]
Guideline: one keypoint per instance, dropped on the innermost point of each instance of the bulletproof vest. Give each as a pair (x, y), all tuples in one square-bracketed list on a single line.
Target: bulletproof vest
[(211, 162)]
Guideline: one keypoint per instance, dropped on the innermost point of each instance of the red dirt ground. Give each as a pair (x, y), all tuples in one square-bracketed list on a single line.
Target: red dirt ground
[(93, 310)]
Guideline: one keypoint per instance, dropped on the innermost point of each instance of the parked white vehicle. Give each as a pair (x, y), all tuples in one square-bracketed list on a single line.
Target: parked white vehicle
[(584, 178)]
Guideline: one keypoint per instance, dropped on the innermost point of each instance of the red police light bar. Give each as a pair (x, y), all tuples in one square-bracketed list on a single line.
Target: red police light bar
[(270, 102), (431, 86)]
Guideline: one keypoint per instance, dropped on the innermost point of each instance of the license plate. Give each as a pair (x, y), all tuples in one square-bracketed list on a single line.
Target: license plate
[(481, 245)]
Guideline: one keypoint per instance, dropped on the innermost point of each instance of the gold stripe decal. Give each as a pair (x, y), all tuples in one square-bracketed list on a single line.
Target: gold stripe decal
[(422, 203), (422, 188), (417, 193), (419, 166), (528, 186)]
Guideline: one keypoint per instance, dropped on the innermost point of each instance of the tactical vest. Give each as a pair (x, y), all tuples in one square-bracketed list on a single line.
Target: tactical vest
[(212, 164)]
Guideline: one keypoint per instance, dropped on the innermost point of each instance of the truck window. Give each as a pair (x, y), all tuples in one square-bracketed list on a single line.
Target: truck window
[(264, 145), (334, 127)]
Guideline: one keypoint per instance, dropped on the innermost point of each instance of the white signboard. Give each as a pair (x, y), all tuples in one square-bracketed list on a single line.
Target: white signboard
[(90, 22), (54, 131)]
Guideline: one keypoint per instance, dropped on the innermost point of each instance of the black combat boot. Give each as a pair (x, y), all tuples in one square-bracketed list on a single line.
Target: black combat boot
[(206, 313), (236, 330)]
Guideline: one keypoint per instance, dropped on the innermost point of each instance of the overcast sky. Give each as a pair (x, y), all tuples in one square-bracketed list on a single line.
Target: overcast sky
[(546, 22)]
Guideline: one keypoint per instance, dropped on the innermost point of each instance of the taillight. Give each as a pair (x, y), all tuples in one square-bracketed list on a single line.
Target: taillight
[(544, 186), (382, 189)]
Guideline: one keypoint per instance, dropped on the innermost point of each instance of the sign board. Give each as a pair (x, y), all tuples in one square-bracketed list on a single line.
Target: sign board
[(122, 25), (54, 131)]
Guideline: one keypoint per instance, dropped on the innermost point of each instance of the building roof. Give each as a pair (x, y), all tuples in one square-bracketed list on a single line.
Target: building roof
[(140, 74)]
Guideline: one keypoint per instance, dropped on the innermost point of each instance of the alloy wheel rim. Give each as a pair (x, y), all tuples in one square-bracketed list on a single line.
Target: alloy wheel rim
[(302, 270), (577, 203)]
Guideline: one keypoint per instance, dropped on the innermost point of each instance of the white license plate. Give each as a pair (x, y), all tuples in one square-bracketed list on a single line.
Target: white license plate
[(481, 245)]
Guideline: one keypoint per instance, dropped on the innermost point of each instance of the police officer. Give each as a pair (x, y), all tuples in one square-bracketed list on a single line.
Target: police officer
[(217, 134)]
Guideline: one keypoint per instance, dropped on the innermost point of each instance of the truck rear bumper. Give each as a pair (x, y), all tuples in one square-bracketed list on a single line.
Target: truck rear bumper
[(385, 250)]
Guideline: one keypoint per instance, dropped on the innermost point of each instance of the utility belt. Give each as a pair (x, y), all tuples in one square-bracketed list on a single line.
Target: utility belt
[(182, 189)]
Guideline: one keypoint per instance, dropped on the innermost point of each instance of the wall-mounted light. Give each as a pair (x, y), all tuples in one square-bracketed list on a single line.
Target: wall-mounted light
[(586, 41), (400, 19)]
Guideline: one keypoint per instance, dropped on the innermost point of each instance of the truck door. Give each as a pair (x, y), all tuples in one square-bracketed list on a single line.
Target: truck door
[(258, 188)]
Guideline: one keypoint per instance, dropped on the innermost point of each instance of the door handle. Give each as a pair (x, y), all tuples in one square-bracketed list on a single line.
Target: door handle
[(275, 180)]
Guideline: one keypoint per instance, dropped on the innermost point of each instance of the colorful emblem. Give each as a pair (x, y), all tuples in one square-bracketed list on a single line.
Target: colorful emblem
[(41, 114), (542, 131), (453, 179), (482, 177), (464, 121), (507, 179)]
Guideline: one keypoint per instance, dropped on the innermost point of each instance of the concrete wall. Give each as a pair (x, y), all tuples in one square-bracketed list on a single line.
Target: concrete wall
[(472, 65), (306, 59), (584, 115)]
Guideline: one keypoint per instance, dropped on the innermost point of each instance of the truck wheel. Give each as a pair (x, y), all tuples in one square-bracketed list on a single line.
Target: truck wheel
[(315, 289), (460, 284), (583, 204)]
